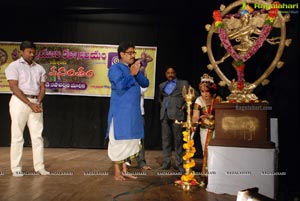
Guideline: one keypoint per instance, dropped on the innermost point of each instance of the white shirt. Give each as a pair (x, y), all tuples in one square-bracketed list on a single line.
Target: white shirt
[(28, 76), (143, 90)]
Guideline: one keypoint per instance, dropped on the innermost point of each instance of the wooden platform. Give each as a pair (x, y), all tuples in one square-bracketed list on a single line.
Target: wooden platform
[(87, 174)]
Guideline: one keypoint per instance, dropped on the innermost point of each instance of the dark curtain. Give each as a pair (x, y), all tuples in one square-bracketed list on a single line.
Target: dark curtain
[(72, 121)]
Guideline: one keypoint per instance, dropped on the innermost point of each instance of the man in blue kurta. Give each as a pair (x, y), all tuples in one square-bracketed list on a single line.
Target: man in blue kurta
[(125, 123)]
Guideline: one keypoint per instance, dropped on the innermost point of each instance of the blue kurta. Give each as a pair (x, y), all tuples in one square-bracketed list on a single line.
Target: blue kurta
[(125, 102)]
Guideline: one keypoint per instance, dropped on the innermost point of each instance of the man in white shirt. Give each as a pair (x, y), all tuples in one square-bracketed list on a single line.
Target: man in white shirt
[(26, 80)]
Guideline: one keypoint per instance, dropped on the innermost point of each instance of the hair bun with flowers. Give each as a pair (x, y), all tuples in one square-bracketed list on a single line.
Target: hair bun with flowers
[(206, 78)]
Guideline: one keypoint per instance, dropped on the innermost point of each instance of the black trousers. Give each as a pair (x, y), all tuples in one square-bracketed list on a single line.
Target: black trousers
[(171, 134)]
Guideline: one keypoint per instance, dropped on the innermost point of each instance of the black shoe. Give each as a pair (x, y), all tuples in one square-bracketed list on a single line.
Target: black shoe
[(164, 167)]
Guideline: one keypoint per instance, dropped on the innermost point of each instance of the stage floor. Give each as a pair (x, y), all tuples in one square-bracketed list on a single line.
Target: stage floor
[(87, 175)]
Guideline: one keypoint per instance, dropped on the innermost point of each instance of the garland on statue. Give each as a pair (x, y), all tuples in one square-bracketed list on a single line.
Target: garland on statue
[(240, 59)]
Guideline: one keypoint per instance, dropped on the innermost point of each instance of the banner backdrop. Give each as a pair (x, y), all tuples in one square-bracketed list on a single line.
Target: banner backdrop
[(77, 69)]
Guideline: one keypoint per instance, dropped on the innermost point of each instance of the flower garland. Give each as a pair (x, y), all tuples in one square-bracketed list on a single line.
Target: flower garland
[(189, 162), (240, 59), (240, 66)]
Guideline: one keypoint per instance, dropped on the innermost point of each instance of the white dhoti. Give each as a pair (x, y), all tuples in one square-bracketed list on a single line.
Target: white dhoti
[(121, 150)]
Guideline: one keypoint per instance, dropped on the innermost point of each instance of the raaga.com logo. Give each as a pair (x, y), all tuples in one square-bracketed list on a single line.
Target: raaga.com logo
[(283, 7)]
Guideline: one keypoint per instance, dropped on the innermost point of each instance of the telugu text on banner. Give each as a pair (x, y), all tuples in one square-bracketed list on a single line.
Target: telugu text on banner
[(77, 69)]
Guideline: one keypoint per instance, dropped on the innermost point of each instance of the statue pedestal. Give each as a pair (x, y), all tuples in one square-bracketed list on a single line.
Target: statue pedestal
[(242, 125)]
